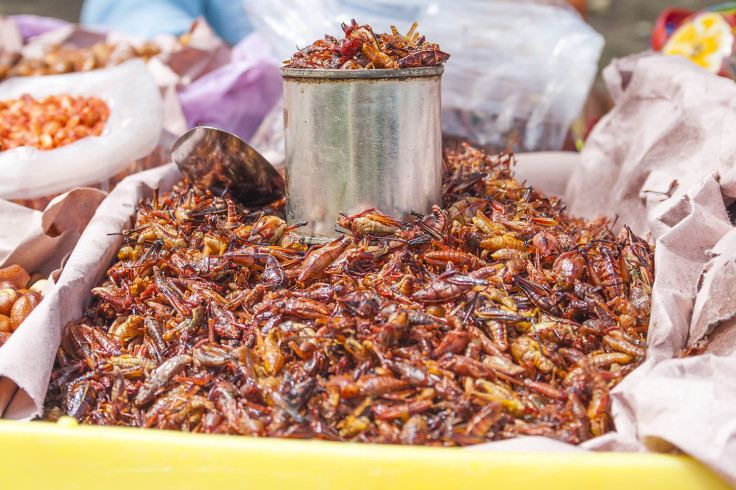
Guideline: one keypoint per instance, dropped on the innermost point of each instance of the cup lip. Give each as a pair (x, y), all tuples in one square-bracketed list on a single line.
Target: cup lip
[(372, 74)]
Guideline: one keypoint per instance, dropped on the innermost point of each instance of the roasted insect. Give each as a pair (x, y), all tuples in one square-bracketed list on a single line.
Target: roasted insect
[(362, 48), (496, 316)]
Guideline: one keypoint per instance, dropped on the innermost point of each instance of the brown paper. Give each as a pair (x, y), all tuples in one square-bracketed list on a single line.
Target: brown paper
[(13, 217), (7, 391), (11, 40), (672, 124), (27, 357), (167, 80), (39, 242), (70, 35), (202, 53), (716, 305), (663, 160)]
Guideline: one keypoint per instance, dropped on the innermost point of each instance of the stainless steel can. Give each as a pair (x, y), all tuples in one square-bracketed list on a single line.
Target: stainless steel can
[(360, 139)]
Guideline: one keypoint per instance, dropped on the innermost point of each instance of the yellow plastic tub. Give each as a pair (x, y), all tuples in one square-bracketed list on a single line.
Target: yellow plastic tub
[(65, 455)]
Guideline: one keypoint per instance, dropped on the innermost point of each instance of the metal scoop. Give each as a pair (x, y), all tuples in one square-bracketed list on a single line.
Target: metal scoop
[(222, 162)]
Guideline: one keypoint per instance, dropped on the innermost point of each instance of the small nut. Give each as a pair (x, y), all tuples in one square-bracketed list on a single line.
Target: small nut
[(8, 296), (5, 323), (37, 123), (34, 278), (34, 297), (38, 285), (16, 274), (21, 309)]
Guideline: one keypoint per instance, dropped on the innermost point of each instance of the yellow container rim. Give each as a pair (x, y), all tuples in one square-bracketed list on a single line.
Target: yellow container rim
[(67, 455)]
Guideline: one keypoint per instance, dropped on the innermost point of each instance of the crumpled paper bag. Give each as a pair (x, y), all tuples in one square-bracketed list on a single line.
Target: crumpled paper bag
[(664, 161), (238, 95), (27, 358), (10, 37), (39, 242)]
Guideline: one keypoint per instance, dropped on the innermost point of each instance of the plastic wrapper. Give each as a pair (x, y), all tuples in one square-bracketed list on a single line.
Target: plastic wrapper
[(517, 69), (131, 132), (34, 25), (269, 140), (236, 96)]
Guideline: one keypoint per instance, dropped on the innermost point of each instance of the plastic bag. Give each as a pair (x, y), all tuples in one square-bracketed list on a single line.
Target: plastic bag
[(517, 69), (131, 132), (238, 95), (287, 24), (35, 25)]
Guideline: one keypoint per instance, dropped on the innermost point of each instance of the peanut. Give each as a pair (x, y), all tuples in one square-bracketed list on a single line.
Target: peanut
[(38, 285), (14, 274), (34, 297), (5, 324), (20, 311), (51, 122), (8, 296)]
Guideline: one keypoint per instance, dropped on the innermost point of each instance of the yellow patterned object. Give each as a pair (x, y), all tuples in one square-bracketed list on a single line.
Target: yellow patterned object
[(707, 39)]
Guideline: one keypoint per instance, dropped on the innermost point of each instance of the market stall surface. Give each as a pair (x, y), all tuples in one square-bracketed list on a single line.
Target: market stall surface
[(87, 457)]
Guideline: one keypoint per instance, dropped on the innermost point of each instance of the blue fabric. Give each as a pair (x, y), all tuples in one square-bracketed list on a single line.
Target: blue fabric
[(150, 17)]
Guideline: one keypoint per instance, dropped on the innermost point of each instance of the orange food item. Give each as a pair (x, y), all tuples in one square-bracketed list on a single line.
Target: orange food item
[(17, 302), (52, 122)]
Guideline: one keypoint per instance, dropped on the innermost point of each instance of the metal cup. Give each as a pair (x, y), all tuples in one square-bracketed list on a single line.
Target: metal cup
[(360, 139)]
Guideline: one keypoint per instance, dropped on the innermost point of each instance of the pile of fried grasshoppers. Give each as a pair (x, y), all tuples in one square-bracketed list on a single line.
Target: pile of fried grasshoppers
[(362, 48), (494, 316)]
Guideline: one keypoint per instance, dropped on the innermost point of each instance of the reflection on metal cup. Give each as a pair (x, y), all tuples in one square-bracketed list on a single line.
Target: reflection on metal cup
[(360, 139)]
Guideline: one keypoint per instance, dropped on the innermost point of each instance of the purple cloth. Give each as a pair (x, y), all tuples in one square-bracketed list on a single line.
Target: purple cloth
[(34, 25), (237, 96)]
